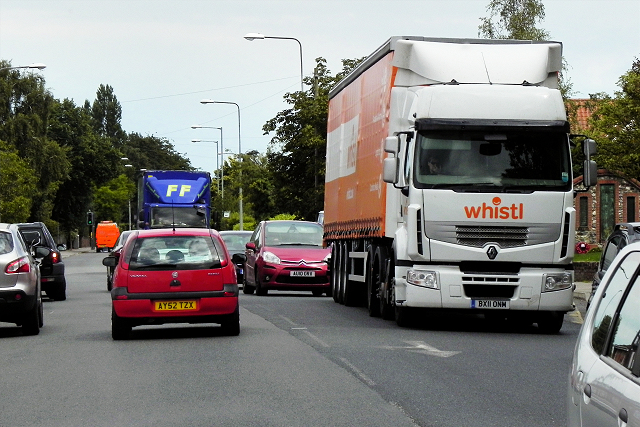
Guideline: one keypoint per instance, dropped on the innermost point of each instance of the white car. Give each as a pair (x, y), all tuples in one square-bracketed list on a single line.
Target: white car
[(604, 384)]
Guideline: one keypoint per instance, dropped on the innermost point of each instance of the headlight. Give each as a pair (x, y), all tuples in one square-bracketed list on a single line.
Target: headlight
[(270, 258), (556, 282), (327, 259), (427, 279)]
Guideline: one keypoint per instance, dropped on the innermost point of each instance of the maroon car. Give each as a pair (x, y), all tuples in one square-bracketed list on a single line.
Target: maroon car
[(286, 255), (173, 276)]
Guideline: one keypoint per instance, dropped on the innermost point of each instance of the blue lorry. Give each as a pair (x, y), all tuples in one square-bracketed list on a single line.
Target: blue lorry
[(174, 199)]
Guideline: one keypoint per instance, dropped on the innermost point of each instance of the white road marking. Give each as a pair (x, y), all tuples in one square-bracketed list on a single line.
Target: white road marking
[(422, 348)]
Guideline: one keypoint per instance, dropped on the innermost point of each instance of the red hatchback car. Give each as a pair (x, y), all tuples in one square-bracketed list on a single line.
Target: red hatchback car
[(286, 255), (173, 276)]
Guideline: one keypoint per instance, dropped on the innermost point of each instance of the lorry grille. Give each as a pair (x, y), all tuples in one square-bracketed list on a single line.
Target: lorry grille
[(478, 236)]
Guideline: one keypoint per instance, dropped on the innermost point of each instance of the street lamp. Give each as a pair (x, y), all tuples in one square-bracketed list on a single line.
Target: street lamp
[(211, 101), (258, 36), (128, 166), (221, 151), (35, 65)]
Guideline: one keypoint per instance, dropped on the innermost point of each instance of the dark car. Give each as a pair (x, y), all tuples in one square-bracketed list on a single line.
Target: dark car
[(164, 276), (116, 253), (236, 241), (52, 276), (20, 296), (623, 234), (287, 255)]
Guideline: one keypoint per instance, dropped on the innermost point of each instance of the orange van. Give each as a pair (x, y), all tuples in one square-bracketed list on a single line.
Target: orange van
[(107, 233)]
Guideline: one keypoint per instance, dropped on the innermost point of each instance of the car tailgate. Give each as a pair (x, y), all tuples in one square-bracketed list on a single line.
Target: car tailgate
[(175, 281)]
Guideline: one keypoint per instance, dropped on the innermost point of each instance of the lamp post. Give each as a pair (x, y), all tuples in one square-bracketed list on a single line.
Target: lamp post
[(35, 65), (258, 36), (129, 198), (222, 158), (217, 154), (211, 101)]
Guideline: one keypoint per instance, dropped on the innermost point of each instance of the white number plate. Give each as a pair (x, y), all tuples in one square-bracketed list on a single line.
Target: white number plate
[(490, 303), (303, 273)]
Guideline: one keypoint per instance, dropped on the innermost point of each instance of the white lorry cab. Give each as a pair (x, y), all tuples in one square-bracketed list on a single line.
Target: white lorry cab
[(449, 181)]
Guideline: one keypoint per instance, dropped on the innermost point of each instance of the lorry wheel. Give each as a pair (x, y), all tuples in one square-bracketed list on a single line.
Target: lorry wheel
[(550, 322), (342, 278), (335, 267), (385, 289), (403, 316), (373, 274)]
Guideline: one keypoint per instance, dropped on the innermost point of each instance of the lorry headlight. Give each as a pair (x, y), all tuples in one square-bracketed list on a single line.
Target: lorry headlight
[(270, 257), (556, 282), (424, 278)]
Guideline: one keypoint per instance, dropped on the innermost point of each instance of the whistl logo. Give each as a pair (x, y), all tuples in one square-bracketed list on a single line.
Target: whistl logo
[(495, 211)]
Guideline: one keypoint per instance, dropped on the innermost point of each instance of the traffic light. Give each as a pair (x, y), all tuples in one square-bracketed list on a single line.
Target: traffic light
[(89, 218)]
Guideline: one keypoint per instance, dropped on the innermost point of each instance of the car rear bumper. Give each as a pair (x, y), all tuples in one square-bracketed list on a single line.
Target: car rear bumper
[(208, 304), (14, 304)]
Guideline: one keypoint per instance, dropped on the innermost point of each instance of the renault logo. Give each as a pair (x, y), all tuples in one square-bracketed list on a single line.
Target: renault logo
[(492, 252)]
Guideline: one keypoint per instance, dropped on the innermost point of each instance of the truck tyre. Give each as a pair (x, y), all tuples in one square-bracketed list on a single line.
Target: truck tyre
[(335, 270), (403, 316), (120, 328), (385, 293), (550, 322), (342, 278), (372, 278)]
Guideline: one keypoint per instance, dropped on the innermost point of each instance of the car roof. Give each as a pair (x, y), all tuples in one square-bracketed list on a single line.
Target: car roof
[(167, 232), (237, 232)]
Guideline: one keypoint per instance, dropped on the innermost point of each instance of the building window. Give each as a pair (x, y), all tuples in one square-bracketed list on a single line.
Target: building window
[(584, 213), (607, 210), (631, 209)]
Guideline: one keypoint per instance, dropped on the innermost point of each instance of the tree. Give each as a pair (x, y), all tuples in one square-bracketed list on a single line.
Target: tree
[(18, 182), (517, 20), (107, 113), (616, 125), (111, 202), (513, 19), (296, 154)]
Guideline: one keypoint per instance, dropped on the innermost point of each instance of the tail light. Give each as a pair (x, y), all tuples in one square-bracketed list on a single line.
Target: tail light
[(55, 257), (21, 265)]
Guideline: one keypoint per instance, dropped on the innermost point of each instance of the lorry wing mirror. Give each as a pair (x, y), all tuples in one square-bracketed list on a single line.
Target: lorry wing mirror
[(589, 148), (392, 144), (390, 170), (589, 173)]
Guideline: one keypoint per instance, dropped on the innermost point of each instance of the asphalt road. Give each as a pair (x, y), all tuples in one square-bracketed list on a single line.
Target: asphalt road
[(299, 361)]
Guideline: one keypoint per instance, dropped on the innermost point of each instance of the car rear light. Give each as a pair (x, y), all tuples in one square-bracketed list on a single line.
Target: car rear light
[(231, 290), (55, 257), (119, 293), (21, 265)]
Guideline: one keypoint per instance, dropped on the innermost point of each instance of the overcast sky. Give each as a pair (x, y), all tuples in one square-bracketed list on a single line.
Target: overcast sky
[(162, 57)]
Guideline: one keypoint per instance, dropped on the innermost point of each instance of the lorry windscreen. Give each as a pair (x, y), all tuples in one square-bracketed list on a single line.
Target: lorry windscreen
[(166, 217), (492, 162)]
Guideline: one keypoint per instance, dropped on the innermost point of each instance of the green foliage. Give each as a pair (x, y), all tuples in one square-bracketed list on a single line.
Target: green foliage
[(296, 154), (111, 202), (615, 125), (283, 217), (513, 19), (233, 222), (18, 182)]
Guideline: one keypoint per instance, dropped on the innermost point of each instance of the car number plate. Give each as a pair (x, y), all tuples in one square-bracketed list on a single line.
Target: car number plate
[(490, 303), (175, 305), (303, 273)]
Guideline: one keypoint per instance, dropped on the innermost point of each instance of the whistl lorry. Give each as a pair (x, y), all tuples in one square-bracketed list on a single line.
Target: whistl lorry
[(449, 182), (174, 199)]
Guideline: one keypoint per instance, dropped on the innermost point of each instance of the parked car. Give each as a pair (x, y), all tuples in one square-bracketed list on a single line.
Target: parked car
[(20, 287), (286, 255), (122, 238), (173, 276), (54, 283), (622, 235), (236, 241), (604, 383)]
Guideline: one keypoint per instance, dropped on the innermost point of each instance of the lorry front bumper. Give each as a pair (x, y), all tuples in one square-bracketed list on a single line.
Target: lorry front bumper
[(457, 290)]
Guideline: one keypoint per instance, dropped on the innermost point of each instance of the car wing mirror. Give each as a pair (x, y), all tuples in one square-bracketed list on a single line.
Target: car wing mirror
[(239, 258), (251, 246), (110, 261)]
